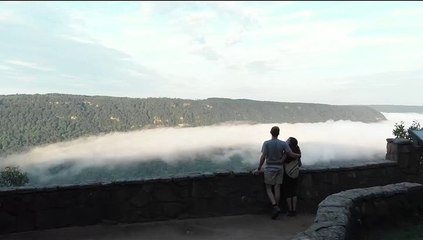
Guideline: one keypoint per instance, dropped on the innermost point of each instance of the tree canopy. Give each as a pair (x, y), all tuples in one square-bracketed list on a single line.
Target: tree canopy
[(31, 120)]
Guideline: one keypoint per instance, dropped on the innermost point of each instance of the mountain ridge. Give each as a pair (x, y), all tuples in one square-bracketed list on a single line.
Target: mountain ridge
[(34, 119)]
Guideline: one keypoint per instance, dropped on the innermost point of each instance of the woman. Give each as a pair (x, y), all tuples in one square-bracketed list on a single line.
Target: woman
[(292, 170)]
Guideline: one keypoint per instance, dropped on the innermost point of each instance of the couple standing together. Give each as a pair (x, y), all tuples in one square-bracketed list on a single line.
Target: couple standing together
[(283, 160)]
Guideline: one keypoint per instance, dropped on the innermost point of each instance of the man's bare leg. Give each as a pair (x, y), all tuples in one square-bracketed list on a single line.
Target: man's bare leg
[(277, 193), (272, 198), (270, 194)]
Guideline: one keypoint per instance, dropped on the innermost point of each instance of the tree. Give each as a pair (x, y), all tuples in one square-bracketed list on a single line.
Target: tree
[(415, 126), (400, 132), (13, 177)]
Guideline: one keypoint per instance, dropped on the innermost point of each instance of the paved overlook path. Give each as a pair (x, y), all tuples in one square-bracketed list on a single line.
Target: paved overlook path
[(243, 227)]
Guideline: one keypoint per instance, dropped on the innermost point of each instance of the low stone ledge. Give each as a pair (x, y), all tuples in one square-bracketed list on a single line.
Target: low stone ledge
[(349, 166), (178, 197), (340, 216)]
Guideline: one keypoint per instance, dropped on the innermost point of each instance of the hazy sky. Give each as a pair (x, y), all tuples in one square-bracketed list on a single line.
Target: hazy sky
[(324, 52)]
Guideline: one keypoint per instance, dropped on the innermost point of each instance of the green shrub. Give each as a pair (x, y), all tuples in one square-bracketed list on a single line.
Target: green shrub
[(400, 132), (13, 177)]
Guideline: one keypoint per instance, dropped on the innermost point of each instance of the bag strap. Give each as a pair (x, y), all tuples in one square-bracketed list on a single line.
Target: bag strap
[(293, 168)]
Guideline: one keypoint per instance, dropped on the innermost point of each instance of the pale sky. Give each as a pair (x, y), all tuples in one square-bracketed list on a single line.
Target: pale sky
[(321, 52)]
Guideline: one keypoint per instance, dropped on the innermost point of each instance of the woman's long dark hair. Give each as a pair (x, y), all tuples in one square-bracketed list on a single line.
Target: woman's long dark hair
[(293, 144)]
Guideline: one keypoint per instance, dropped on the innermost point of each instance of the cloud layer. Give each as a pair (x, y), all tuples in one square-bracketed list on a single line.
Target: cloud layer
[(320, 142), (196, 50), (157, 153)]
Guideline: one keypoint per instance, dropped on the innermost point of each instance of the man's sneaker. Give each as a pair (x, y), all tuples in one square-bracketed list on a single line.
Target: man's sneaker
[(275, 212)]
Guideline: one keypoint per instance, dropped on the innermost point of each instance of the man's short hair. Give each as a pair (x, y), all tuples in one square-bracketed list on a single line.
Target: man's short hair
[(274, 131)]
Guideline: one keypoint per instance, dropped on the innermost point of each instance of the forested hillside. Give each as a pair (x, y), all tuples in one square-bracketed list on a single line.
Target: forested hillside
[(397, 108), (30, 120)]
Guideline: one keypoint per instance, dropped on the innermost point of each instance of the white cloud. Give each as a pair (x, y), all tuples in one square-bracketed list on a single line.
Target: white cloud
[(407, 12), (79, 39), (320, 143), (10, 17), (32, 65), (407, 118), (6, 68), (261, 66), (299, 43), (199, 19), (208, 53)]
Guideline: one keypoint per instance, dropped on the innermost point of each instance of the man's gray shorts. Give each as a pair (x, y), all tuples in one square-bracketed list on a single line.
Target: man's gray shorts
[(273, 178)]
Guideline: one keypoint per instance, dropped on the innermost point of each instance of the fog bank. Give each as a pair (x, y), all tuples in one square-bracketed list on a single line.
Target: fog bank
[(319, 142)]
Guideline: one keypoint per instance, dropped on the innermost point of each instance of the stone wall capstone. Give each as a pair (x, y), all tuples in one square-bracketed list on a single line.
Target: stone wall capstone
[(26, 209), (353, 213)]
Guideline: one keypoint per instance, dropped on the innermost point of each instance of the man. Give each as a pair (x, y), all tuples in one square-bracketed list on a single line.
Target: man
[(272, 152)]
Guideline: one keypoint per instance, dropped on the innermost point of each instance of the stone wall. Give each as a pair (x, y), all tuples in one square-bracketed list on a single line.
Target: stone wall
[(351, 214), (176, 198), (408, 155), (317, 183)]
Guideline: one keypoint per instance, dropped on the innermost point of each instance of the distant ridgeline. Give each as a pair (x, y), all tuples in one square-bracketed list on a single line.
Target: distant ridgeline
[(397, 108), (30, 120)]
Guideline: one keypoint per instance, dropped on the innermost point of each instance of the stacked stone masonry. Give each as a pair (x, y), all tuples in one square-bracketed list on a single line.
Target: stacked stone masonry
[(26, 209), (174, 198), (346, 214)]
